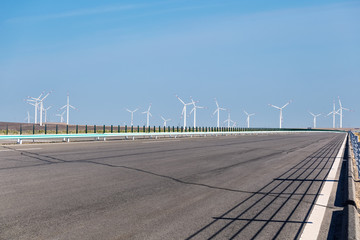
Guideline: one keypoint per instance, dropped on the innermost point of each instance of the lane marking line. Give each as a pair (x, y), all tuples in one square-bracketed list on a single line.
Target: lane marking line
[(26, 149), (19, 149), (312, 230)]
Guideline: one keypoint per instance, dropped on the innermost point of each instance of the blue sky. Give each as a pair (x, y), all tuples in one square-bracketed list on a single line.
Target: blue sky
[(112, 55)]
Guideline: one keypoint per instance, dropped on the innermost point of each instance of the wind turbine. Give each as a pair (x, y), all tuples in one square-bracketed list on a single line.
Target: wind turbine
[(341, 112), (35, 102), (165, 120), (183, 113), (280, 108), (45, 112), (132, 115), (228, 120), (28, 117), (148, 114), (218, 112), (41, 101), (333, 112), (61, 116), (68, 106), (194, 110), (315, 116), (248, 118)]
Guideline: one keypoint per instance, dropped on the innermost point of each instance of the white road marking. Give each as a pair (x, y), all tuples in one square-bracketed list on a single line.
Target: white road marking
[(6, 150), (312, 228), (155, 141), (26, 149)]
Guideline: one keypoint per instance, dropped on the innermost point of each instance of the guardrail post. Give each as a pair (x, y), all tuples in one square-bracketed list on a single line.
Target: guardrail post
[(33, 129), (20, 129), (132, 129), (45, 128), (85, 128), (104, 128), (118, 128), (125, 128), (149, 129), (77, 128), (67, 129), (138, 128), (112, 128), (7, 129), (144, 129), (154, 129), (56, 129), (94, 128)]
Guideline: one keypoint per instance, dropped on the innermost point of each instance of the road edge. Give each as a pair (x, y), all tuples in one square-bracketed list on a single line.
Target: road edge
[(311, 229)]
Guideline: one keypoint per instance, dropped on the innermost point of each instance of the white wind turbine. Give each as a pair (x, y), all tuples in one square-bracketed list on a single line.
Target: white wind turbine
[(34, 102), (218, 112), (28, 117), (45, 112), (68, 106), (165, 120), (280, 108), (132, 115), (315, 116), (333, 112), (341, 112), (194, 110), (228, 121), (148, 114), (61, 115), (248, 118), (183, 113), (41, 101)]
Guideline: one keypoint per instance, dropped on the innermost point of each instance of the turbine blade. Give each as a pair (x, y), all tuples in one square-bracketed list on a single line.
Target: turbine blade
[(180, 100), (274, 106)]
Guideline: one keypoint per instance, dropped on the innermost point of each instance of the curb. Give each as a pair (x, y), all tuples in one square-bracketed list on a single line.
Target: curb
[(350, 209)]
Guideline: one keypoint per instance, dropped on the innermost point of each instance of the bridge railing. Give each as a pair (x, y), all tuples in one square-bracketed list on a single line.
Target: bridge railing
[(356, 148)]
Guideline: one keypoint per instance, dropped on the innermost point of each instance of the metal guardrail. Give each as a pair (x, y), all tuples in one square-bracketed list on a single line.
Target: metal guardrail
[(356, 148), (98, 136)]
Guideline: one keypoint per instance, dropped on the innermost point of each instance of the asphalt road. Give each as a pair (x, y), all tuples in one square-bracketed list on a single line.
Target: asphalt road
[(240, 187)]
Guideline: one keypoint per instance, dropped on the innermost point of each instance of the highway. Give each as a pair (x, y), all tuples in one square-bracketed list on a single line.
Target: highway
[(226, 187)]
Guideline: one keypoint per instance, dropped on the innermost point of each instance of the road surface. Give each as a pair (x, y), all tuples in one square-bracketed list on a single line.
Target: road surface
[(234, 187)]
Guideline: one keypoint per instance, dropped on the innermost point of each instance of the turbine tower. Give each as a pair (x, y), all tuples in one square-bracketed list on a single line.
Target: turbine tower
[(333, 112), (148, 114), (165, 120), (132, 115), (68, 106), (248, 118), (218, 112), (183, 113), (194, 110), (341, 112), (61, 116), (280, 109), (315, 116)]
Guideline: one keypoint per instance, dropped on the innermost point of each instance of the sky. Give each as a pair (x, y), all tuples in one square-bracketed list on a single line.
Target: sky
[(112, 55)]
